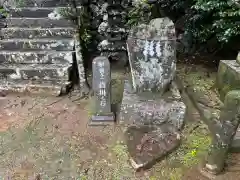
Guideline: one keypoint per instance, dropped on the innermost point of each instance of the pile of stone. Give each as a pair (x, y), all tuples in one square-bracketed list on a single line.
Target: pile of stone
[(113, 31)]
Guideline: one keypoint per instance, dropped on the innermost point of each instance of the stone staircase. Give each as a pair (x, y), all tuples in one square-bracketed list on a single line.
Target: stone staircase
[(36, 52)]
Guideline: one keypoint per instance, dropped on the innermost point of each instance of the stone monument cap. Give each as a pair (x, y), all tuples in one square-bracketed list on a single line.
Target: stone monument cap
[(158, 29)]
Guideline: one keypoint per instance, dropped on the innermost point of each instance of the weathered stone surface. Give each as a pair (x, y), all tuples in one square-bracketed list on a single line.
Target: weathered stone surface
[(37, 53), (27, 33), (38, 22), (42, 44), (223, 132), (38, 3), (152, 55), (53, 88), (158, 29), (38, 57), (112, 29), (35, 71), (102, 91), (148, 144), (35, 12), (210, 111), (228, 77), (151, 108)]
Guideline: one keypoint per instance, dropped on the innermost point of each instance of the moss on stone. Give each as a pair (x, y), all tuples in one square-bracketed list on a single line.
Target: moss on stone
[(228, 78)]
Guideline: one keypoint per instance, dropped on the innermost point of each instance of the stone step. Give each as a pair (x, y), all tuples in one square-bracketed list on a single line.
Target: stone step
[(37, 33), (36, 57), (36, 12), (46, 87), (43, 3), (38, 23), (37, 44), (40, 12), (35, 71)]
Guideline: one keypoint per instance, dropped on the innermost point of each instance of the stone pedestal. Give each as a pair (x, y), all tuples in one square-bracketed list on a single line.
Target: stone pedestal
[(154, 122), (149, 108)]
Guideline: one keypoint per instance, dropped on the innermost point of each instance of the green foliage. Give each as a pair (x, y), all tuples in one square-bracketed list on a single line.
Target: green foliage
[(214, 21), (217, 18), (206, 19), (140, 13), (3, 11)]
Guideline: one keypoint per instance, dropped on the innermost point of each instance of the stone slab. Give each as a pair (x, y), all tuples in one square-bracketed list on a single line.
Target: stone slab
[(35, 71), (150, 108), (228, 77), (38, 22), (42, 44), (37, 33), (37, 57), (39, 3), (34, 12), (52, 87), (102, 120), (147, 145)]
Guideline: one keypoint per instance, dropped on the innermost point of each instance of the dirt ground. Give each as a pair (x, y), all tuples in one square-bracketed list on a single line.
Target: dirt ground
[(48, 138)]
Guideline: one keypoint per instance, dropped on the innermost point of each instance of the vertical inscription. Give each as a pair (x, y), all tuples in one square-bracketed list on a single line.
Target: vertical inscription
[(101, 89), (102, 85)]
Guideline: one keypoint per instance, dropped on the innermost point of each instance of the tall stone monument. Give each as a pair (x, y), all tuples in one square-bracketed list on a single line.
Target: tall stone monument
[(101, 102), (151, 103)]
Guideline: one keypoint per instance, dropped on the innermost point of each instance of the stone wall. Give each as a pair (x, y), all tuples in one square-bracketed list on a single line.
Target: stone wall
[(108, 26)]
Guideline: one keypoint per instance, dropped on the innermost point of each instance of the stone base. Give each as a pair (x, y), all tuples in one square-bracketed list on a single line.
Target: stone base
[(148, 144), (150, 108), (228, 77), (101, 120), (204, 172)]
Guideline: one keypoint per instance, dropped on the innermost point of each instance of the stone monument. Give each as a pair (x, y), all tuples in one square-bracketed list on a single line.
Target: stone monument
[(151, 102), (101, 102)]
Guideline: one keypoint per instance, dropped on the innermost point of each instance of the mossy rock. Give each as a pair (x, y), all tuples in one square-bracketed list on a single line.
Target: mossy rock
[(228, 77)]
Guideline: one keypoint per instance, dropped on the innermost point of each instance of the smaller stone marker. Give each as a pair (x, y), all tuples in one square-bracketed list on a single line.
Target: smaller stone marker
[(101, 85)]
